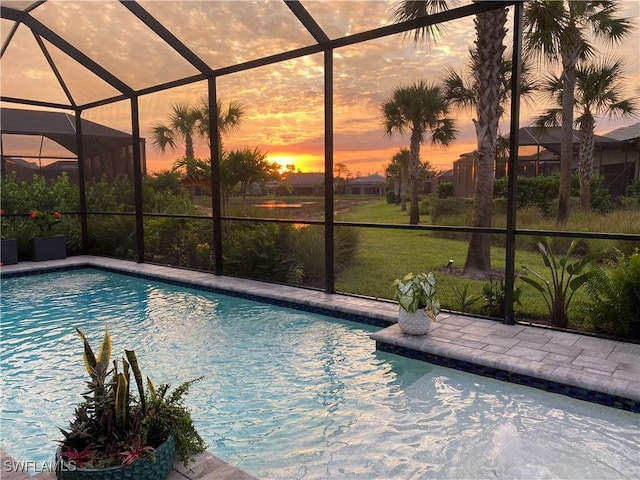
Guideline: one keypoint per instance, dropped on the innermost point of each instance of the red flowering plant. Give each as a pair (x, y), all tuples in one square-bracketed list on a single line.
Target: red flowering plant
[(44, 220)]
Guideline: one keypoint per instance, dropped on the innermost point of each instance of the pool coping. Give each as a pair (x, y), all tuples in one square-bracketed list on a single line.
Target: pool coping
[(581, 366)]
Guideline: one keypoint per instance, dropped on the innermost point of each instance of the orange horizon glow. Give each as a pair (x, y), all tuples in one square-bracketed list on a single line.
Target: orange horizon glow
[(360, 163)]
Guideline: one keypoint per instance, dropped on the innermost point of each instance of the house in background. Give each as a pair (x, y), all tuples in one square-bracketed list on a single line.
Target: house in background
[(619, 174), (374, 184), (431, 185), (303, 184), (539, 155)]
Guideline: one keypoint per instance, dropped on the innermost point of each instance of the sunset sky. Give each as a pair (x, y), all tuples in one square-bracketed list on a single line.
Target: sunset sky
[(283, 102)]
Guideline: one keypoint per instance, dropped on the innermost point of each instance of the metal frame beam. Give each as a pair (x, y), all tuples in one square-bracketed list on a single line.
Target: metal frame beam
[(66, 47), (308, 21), (169, 38)]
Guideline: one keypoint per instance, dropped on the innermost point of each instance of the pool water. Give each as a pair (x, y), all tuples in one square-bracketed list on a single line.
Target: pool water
[(291, 395)]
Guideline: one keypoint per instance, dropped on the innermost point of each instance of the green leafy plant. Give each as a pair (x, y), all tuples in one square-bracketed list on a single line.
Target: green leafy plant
[(615, 297), (465, 299), (568, 274), (494, 294), (112, 427), (44, 221), (417, 291)]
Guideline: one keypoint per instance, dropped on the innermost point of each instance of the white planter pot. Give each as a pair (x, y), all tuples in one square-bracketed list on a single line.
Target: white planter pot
[(417, 323)]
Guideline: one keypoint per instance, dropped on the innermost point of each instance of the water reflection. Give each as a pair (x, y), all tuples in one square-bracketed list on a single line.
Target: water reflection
[(281, 204)]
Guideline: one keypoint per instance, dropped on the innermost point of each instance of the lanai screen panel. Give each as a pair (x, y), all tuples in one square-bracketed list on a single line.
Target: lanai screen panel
[(127, 48), (230, 33)]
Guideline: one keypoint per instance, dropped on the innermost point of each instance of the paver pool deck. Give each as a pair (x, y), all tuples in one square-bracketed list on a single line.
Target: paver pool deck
[(601, 367)]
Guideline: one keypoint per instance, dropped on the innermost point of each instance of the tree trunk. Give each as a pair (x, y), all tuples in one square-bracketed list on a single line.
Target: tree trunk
[(569, 59), (585, 163), (188, 147), (396, 190), (404, 180), (490, 30), (414, 176)]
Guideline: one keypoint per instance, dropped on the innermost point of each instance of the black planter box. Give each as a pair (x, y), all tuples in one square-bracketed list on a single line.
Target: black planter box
[(48, 248), (9, 252)]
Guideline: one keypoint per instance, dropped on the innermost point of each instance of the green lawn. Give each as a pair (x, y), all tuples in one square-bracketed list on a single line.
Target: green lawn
[(385, 254)]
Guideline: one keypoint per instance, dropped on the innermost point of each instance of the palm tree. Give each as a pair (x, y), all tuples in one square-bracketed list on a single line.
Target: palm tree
[(183, 123), (398, 169), (229, 117), (246, 166), (558, 31), (598, 87), (419, 107), (490, 34), (464, 92)]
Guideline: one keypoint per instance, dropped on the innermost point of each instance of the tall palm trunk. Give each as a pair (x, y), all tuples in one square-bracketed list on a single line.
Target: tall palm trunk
[(585, 168), (490, 30), (414, 175), (570, 57), (188, 146), (404, 180)]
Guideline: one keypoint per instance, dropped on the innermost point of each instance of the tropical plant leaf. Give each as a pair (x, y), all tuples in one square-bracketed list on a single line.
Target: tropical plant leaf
[(88, 356)]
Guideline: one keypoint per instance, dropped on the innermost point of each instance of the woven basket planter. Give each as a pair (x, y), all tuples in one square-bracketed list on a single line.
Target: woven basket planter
[(143, 469), (414, 323)]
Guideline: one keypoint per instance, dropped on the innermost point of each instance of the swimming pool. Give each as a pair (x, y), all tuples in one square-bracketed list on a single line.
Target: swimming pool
[(289, 394)]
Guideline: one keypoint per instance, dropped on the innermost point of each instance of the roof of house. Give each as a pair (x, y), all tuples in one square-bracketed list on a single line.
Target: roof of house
[(551, 137), (369, 179), (304, 179), (445, 173), (625, 133)]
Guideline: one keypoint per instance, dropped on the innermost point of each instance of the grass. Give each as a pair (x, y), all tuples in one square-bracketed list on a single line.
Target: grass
[(386, 254)]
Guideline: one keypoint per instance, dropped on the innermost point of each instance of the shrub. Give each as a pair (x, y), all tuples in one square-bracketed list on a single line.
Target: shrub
[(425, 205), (445, 190), (531, 191), (633, 190), (615, 297), (494, 294), (568, 273), (391, 197), (305, 262), (257, 250), (628, 203), (449, 207), (38, 193)]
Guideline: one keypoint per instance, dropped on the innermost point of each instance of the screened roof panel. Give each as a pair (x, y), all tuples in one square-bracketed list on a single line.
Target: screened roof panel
[(18, 4), (25, 72), (5, 29), (226, 33), (84, 85), (127, 48), (345, 18), (340, 19)]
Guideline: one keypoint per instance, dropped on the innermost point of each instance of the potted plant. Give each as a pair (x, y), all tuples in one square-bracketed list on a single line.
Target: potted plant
[(116, 435), (416, 298), (9, 246), (45, 246)]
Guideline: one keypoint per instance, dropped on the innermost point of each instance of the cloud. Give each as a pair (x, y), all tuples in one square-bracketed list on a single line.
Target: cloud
[(285, 101)]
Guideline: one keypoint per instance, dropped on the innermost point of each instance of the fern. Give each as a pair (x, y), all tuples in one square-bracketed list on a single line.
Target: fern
[(615, 297)]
